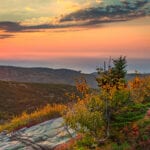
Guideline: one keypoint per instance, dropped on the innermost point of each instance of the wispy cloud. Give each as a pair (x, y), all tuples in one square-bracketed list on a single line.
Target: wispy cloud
[(87, 15), (4, 36), (11, 26), (111, 12)]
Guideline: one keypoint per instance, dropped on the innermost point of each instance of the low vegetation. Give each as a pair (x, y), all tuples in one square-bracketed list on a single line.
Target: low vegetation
[(114, 117), (17, 97), (40, 115), (118, 117)]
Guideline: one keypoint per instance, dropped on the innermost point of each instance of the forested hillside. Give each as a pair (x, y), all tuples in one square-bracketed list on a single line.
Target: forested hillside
[(16, 98)]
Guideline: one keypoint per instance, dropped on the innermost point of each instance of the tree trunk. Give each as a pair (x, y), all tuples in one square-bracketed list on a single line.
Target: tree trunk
[(107, 119)]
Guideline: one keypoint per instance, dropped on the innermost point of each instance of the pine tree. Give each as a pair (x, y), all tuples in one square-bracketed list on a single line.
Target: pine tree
[(109, 78)]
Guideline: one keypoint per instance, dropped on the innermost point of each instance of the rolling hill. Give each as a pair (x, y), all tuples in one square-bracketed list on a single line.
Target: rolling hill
[(17, 97), (48, 75), (44, 75), (25, 89)]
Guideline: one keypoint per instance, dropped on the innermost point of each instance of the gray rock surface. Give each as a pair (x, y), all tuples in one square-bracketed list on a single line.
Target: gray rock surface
[(44, 136)]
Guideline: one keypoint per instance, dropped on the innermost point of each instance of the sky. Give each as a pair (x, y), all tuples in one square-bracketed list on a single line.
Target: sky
[(75, 34)]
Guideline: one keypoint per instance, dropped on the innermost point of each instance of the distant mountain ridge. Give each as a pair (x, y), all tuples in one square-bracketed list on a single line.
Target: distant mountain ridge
[(130, 76), (44, 75), (49, 75)]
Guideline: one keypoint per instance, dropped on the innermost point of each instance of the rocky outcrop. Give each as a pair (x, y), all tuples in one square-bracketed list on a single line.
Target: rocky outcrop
[(44, 136)]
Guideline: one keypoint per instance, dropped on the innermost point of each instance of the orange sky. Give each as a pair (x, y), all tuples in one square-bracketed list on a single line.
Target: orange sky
[(76, 34), (130, 39)]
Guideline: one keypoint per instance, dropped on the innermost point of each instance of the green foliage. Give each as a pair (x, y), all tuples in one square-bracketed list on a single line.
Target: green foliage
[(123, 146), (86, 141), (119, 70), (85, 116), (129, 114), (145, 137)]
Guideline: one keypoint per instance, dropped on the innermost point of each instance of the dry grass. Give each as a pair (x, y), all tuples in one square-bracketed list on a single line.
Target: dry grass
[(40, 115)]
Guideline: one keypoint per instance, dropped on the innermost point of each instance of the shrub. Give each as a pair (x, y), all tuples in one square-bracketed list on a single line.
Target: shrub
[(117, 113), (123, 146), (40, 115)]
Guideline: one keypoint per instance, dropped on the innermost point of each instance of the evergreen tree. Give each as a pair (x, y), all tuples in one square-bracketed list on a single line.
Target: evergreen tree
[(116, 113), (110, 76)]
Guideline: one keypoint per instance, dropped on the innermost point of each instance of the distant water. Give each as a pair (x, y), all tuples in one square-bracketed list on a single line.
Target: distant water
[(86, 65)]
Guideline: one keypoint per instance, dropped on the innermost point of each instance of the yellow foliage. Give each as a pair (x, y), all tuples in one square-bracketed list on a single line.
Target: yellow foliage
[(140, 89), (85, 115), (82, 86), (43, 114)]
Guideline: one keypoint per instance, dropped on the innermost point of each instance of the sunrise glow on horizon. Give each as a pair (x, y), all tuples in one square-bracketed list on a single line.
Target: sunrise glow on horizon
[(74, 29)]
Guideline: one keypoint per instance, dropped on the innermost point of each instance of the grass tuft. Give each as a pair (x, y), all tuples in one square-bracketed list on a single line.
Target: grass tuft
[(38, 116)]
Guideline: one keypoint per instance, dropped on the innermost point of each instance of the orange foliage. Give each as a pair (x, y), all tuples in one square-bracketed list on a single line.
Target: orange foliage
[(140, 89), (40, 115), (82, 86)]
